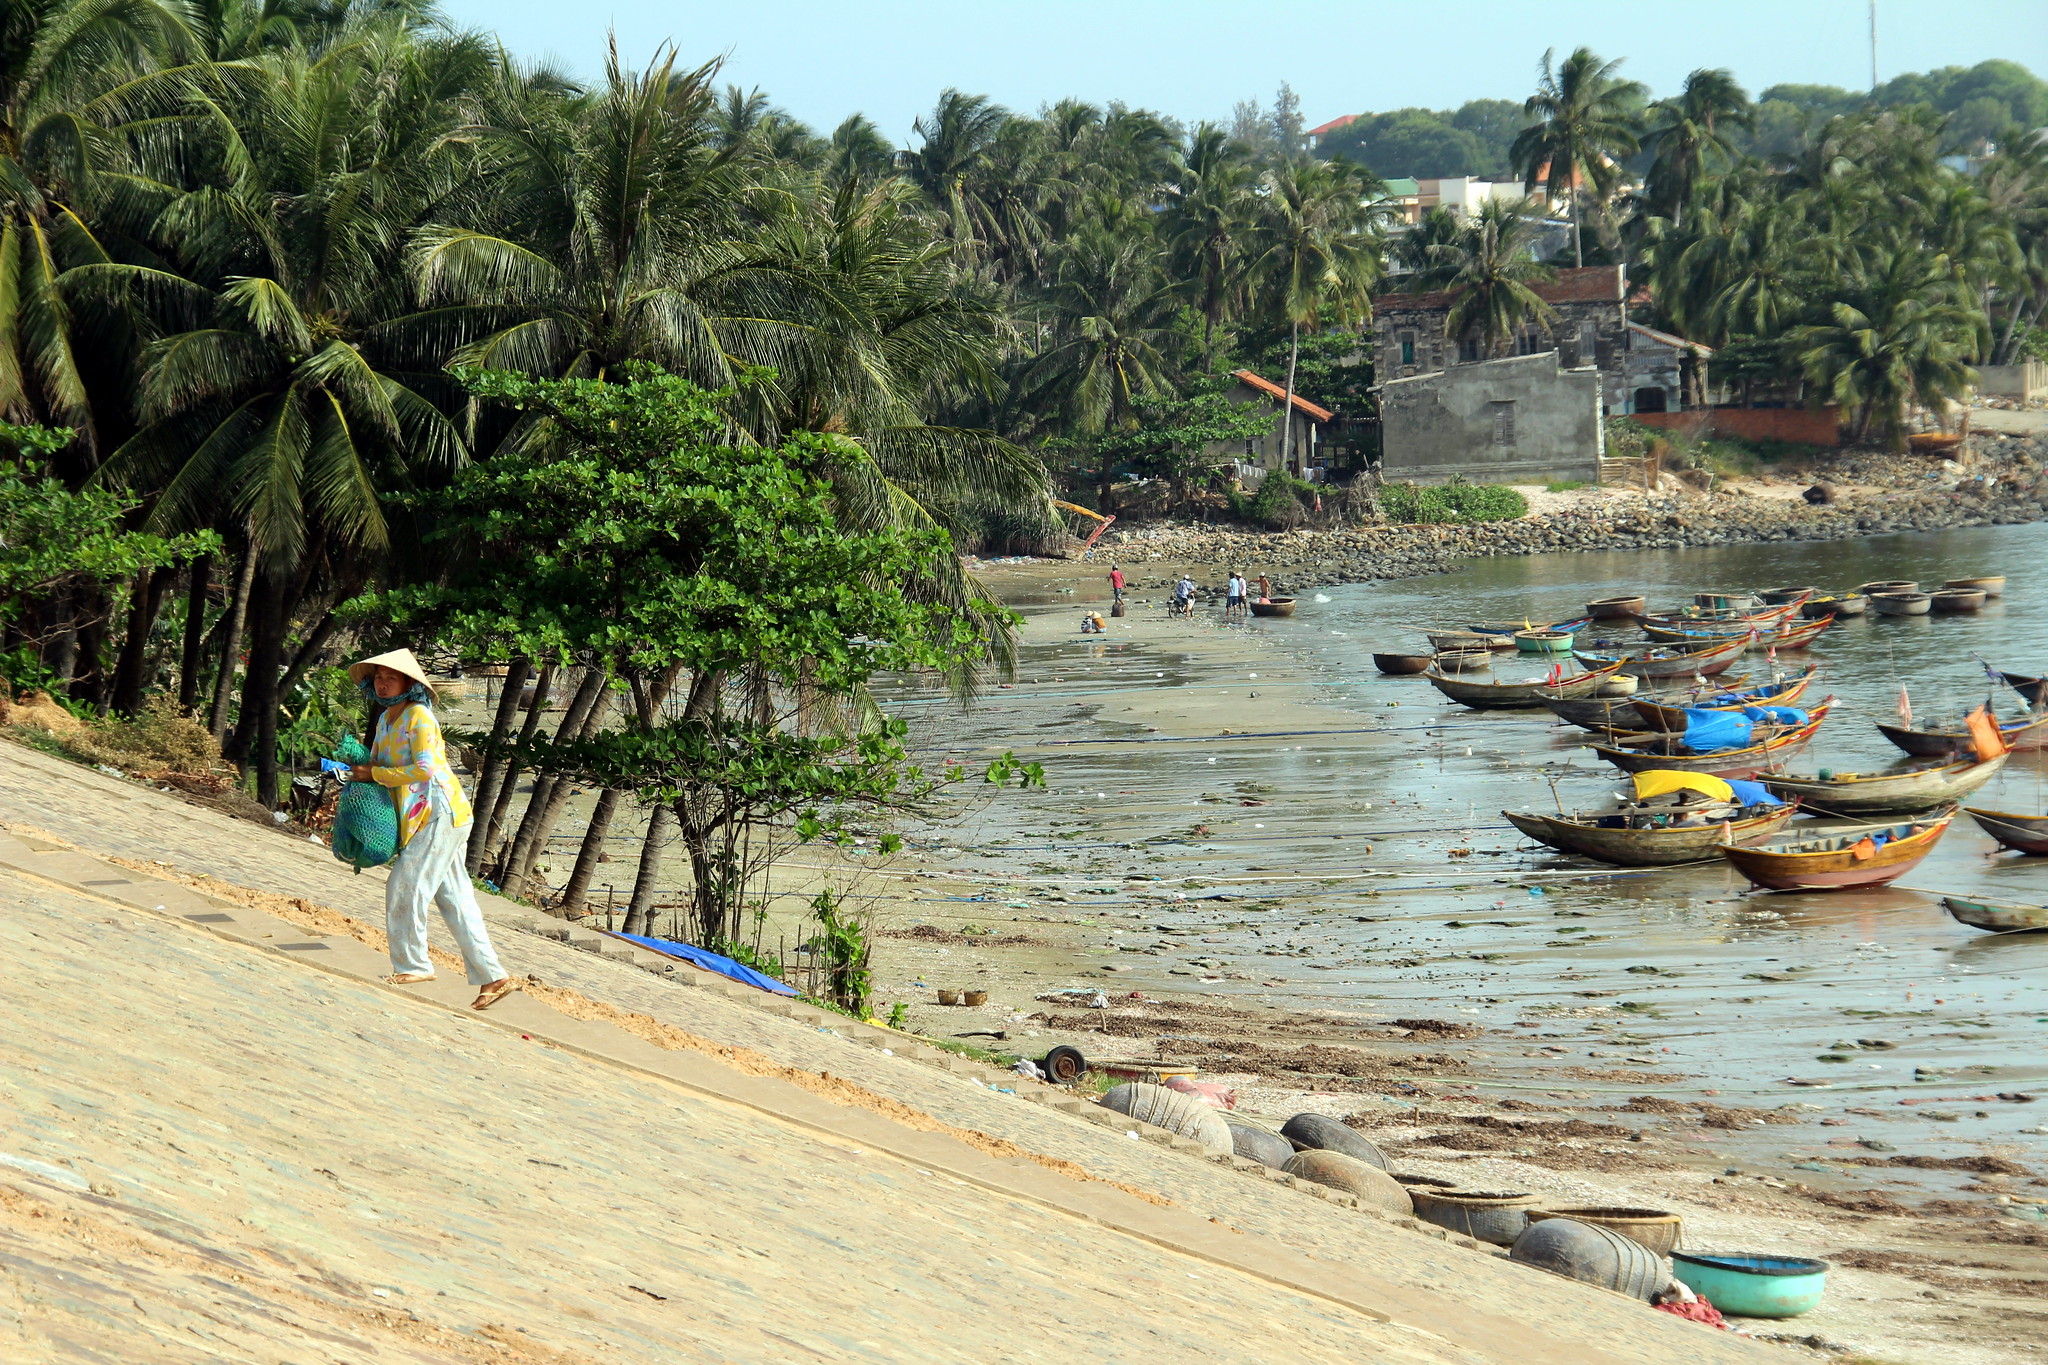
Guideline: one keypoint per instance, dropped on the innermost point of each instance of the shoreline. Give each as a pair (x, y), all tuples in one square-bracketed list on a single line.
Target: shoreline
[(1449, 1098), (2005, 483)]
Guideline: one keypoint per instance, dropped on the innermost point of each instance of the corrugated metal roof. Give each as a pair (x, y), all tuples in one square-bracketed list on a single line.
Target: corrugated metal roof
[(1272, 390)]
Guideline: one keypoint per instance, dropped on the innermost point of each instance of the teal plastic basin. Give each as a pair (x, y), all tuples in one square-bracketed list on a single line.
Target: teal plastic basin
[(1753, 1286)]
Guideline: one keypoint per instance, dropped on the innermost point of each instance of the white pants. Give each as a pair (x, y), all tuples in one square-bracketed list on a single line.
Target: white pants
[(429, 871)]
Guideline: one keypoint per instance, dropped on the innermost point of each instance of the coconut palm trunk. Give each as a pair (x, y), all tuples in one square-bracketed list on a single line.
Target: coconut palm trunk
[(198, 581), (231, 641)]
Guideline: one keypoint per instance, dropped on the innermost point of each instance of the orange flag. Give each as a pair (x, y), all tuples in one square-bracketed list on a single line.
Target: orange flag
[(1984, 736)]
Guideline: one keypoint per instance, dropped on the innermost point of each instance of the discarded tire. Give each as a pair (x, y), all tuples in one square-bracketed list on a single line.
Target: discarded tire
[(1495, 1218), (1598, 1256), (1373, 1186), (1064, 1065), (1180, 1114), (1327, 1134), (1262, 1145)]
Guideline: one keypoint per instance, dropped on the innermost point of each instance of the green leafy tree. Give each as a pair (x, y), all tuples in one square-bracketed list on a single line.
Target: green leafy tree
[(1492, 276), (1174, 437)]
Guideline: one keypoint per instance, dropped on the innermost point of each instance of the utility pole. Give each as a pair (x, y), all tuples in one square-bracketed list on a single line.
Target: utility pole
[(1873, 47)]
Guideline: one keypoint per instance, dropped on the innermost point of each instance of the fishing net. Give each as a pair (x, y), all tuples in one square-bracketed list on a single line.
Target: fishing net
[(365, 818)]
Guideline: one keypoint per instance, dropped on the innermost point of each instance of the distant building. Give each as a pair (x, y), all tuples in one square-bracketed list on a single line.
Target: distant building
[(1522, 419), (1461, 194), (1641, 369), (1262, 453)]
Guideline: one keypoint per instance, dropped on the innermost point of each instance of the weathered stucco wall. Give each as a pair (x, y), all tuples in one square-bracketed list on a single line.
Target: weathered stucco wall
[(1520, 420)]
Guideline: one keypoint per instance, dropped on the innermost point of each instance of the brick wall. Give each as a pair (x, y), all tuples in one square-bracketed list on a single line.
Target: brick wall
[(1802, 425)]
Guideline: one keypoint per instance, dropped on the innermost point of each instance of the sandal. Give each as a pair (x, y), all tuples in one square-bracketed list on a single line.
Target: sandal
[(408, 978), (492, 993)]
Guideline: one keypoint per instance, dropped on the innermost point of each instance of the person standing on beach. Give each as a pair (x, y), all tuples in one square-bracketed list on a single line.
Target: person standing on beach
[(407, 756), (1233, 596), (1184, 596), (1116, 583)]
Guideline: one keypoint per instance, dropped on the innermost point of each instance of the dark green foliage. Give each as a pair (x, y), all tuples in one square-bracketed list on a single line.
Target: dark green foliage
[(1455, 501)]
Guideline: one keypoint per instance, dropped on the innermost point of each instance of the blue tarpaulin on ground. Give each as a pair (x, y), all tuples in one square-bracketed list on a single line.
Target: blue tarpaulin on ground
[(1752, 793), (1708, 732), (711, 962)]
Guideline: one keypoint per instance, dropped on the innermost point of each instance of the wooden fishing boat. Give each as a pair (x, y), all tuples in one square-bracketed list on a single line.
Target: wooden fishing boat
[(2021, 833), (1490, 696), (1793, 637), (1616, 608), (1638, 836), (2034, 690), (1664, 749), (1898, 792), (1777, 597), (1729, 622), (1507, 632), (1273, 606), (1402, 663), (1668, 714), (1599, 714), (1902, 603), (1952, 600), (1464, 661), (1991, 585), (1931, 739), (1848, 604), (1672, 662), (1543, 642), (1829, 862), (1888, 585), (2000, 917), (1442, 640)]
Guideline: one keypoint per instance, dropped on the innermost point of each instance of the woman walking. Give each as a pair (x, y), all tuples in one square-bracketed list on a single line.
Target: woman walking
[(407, 756)]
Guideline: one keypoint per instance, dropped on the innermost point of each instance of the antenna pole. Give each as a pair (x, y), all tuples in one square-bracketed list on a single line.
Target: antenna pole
[(1873, 47)]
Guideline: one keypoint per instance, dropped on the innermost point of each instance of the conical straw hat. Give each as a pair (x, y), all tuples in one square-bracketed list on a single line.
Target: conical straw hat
[(398, 661)]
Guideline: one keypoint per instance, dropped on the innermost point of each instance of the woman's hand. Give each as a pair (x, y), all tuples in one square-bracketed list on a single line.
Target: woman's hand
[(360, 772)]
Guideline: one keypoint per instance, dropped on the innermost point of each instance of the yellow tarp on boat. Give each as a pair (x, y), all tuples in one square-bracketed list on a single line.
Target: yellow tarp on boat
[(1658, 781)]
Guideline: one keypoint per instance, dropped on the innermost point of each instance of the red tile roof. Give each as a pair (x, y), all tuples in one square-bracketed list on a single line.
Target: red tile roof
[(1573, 284), (1275, 391), (1334, 124)]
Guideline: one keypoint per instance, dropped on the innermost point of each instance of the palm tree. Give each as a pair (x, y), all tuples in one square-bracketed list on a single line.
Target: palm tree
[(1428, 250), (1113, 312), (1585, 124), (1210, 215), (263, 392), (1492, 272), (1897, 335), (956, 137), (1315, 256), (859, 150), (1688, 133)]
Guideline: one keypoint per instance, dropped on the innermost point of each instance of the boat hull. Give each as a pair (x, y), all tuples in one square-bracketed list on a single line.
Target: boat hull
[(1999, 917), (1495, 696), (2021, 833), (1698, 663), (1731, 763), (1616, 608), (1958, 599), (1902, 603), (1851, 604), (1992, 585), (1658, 714), (2019, 735), (1901, 794), (1279, 606), (1643, 847), (1401, 664), (1834, 869)]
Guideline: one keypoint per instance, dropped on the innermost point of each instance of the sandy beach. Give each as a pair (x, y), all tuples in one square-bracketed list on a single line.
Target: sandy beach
[(1299, 890)]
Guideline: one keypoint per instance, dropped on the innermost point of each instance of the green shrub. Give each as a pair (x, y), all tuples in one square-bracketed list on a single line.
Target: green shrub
[(1564, 485), (1454, 501), (1279, 504)]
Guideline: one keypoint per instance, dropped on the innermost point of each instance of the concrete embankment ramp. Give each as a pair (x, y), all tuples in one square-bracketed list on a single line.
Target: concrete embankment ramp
[(226, 1140)]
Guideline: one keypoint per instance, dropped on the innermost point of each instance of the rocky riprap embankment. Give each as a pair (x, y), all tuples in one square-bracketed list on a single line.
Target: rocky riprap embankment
[(2009, 491)]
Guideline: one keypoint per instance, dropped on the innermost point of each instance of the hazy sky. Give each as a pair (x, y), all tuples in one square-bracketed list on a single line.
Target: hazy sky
[(889, 59)]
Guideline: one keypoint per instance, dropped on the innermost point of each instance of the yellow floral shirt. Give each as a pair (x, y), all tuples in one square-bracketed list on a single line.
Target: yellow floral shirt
[(405, 756)]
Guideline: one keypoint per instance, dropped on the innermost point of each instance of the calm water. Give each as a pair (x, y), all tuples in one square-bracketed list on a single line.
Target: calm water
[(1343, 888)]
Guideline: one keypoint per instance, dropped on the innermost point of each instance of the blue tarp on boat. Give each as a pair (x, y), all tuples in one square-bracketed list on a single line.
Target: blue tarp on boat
[(1752, 793), (1775, 715), (711, 962), (1709, 732)]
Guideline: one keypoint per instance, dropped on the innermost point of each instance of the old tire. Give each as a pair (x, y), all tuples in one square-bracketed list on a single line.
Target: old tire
[(1262, 1145), (1373, 1186), (1064, 1065), (1580, 1251), (1182, 1115), (1327, 1134)]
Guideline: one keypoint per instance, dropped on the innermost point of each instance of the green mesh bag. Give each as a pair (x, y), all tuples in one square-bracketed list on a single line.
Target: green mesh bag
[(365, 818)]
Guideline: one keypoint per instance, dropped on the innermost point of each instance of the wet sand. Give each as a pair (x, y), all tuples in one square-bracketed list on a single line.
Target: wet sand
[(1336, 918)]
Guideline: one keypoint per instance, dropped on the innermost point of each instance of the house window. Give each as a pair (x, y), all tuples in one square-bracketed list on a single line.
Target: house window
[(1407, 342), (1468, 350), (1504, 423), (1531, 341), (1650, 400)]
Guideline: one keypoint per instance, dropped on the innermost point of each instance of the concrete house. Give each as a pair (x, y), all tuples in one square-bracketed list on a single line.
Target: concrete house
[(1590, 328), (1521, 419), (1262, 453)]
